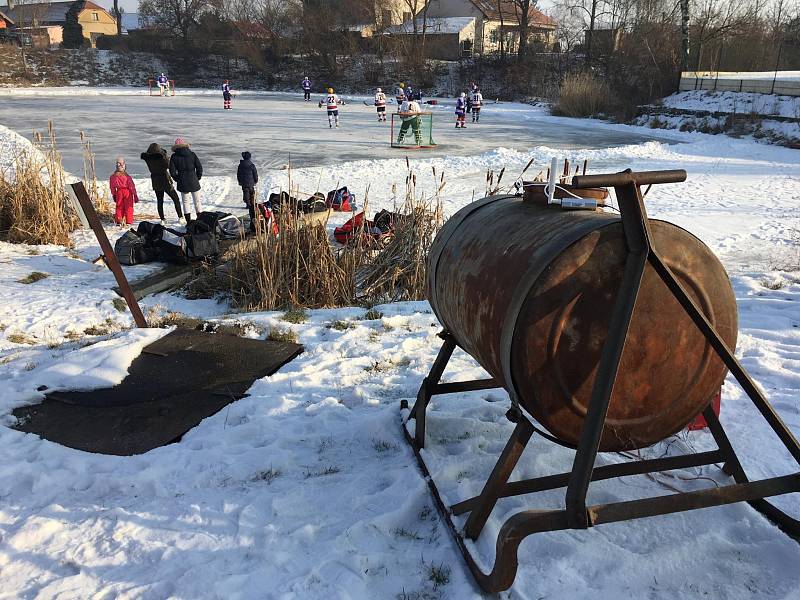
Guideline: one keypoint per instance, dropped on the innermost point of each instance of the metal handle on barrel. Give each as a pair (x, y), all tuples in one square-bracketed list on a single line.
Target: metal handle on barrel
[(628, 176)]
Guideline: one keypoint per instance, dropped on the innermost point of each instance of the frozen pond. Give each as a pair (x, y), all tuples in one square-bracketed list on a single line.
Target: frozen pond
[(277, 128)]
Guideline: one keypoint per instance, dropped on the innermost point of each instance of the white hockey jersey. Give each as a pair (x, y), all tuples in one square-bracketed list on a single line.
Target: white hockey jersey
[(399, 93), (380, 99), (332, 101), (477, 99), (409, 108)]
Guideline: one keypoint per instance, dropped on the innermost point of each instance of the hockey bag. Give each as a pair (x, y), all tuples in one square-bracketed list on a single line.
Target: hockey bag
[(347, 232), (341, 200), (367, 233), (268, 218), (386, 221), (230, 228), (172, 247), (224, 226), (131, 249), (314, 204), (282, 201), (200, 240), (150, 233)]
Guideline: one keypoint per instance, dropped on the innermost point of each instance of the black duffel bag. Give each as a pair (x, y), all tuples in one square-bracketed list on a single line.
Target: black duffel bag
[(201, 242), (172, 247)]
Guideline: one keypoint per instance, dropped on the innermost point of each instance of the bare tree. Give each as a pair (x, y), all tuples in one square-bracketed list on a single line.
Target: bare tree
[(177, 16), (523, 10), (117, 11)]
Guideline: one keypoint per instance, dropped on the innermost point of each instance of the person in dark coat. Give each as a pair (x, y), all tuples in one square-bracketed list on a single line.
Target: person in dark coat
[(158, 164), (186, 170), (247, 176)]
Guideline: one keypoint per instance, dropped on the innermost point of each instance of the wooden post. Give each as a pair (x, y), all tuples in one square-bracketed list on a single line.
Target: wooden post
[(108, 252)]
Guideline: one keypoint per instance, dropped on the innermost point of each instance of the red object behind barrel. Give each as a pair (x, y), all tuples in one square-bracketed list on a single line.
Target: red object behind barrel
[(699, 421)]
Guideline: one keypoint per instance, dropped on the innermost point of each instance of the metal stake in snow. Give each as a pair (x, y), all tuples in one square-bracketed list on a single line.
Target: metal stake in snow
[(108, 253)]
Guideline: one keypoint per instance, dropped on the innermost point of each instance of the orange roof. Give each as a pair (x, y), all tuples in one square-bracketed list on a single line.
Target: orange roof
[(508, 10)]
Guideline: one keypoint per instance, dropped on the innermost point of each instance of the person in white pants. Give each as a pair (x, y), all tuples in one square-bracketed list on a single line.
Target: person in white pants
[(186, 170)]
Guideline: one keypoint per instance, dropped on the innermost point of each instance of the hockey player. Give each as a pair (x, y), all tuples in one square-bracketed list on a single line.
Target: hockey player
[(306, 85), (226, 95), (409, 112), (163, 84), (380, 105), (461, 111), (409, 93), (332, 103), (400, 94), (477, 102)]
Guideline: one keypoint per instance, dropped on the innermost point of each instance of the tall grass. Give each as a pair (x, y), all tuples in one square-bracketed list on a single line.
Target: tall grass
[(34, 205), (301, 268), (398, 271), (584, 95), (298, 267)]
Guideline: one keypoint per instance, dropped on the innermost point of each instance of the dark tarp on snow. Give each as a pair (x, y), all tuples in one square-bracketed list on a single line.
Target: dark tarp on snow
[(175, 383)]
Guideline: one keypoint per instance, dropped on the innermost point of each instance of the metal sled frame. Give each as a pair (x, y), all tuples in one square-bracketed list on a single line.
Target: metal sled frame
[(576, 514)]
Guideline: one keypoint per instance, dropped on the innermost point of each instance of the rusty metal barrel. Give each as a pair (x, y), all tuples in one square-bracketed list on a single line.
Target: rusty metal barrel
[(527, 289)]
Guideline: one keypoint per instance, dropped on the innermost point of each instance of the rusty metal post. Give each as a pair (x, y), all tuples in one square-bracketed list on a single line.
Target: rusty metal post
[(493, 489), (637, 239), (428, 384), (108, 253)]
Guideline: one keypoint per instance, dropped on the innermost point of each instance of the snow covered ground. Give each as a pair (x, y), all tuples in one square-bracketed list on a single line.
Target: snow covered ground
[(306, 489), (736, 102), (764, 117)]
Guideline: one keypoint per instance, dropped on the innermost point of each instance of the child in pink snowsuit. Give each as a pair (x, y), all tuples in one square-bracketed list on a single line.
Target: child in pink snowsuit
[(123, 191)]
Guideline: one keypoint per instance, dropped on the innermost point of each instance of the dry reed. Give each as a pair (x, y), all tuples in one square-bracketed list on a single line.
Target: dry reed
[(583, 95), (398, 271), (296, 268), (300, 268)]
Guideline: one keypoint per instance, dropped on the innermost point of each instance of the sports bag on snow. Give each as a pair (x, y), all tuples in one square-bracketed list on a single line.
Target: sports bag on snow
[(200, 240), (269, 219), (373, 232), (172, 247), (314, 204), (230, 228), (150, 232), (341, 200), (131, 249)]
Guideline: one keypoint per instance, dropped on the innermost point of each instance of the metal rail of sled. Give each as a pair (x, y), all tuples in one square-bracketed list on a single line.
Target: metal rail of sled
[(577, 514)]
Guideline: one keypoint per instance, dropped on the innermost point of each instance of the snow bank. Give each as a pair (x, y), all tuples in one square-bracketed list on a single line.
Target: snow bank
[(13, 145), (735, 102)]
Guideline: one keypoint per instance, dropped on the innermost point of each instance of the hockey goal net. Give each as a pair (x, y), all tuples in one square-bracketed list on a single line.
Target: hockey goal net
[(412, 130), (155, 90)]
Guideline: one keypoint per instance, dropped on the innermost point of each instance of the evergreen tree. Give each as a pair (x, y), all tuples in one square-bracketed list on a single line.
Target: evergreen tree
[(73, 32)]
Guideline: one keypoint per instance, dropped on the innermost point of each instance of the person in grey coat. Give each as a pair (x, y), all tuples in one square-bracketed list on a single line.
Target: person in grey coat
[(158, 165)]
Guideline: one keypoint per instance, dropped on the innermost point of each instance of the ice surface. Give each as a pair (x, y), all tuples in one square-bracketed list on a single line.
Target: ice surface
[(279, 129), (306, 489)]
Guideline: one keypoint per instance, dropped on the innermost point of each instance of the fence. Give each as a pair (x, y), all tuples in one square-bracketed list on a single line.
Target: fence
[(784, 83)]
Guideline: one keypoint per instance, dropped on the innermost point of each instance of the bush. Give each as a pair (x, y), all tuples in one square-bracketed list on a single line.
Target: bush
[(583, 95)]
